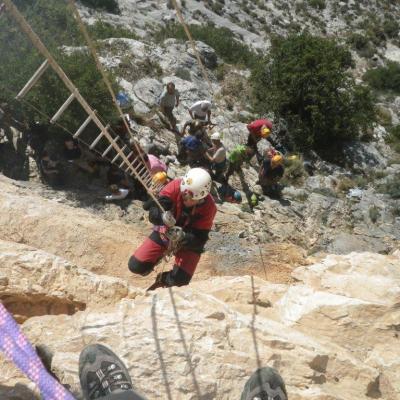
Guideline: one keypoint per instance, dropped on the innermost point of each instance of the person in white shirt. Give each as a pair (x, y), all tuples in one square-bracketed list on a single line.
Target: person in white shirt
[(217, 156), (201, 110)]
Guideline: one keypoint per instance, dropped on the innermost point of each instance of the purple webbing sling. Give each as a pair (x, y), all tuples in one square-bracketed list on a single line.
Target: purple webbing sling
[(17, 349)]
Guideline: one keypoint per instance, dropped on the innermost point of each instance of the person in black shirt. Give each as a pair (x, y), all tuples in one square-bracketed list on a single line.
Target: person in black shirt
[(271, 172)]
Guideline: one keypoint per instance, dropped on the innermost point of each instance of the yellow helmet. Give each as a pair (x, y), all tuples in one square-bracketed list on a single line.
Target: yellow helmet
[(160, 178), (277, 160), (265, 132)]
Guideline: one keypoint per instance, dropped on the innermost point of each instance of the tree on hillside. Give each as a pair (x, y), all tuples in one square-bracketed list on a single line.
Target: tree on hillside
[(304, 80), (54, 24)]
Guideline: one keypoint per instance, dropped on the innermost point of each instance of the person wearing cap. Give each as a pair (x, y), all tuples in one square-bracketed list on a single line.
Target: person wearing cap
[(187, 218), (192, 151), (258, 129), (201, 110), (271, 172), (216, 155), (169, 99)]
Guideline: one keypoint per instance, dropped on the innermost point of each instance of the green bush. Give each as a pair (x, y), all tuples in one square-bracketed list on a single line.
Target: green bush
[(374, 213), (304, 80), (53, 22), (317, 4), (103, 30), (295, 173), (385, 78), (220, 39), (357, 41), (110, 6), (394, 138), (391, 27), (391, 187)]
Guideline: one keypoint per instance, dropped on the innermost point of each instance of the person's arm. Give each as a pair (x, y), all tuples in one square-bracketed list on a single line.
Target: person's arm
[(208, 156), (177, 100), (155, 213), (195, 239), (187, 123)]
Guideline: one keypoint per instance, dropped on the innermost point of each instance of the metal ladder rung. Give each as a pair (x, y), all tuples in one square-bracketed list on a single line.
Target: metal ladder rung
[(97, 140), (57, 115), (110, 146), (82, 127), (118, 155), (36, 76)]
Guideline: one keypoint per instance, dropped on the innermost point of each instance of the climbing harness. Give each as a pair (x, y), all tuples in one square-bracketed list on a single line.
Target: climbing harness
[(16, 347)]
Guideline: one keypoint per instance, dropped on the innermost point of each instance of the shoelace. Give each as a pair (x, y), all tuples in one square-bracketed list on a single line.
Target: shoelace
[(109, 379)]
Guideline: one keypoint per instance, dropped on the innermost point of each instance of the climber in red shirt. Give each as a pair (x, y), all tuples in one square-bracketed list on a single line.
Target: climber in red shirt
[(187, 220), (258, 129)]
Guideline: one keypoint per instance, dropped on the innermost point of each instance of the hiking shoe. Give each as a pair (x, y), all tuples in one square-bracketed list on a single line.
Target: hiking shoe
[(264, 384), (101, 372)]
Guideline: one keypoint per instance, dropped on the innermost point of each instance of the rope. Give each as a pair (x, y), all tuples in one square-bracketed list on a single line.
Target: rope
[(16, 347), (197, 54), (193, 45), (35, 40), (100, 68), (156, 188)]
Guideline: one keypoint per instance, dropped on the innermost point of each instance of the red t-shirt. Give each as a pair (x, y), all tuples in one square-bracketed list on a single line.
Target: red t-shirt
[(201, 216), (255, 126)]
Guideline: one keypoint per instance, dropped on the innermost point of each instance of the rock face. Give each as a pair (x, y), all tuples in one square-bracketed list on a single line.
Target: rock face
[(33, 282), (333, 335), (72, 233)]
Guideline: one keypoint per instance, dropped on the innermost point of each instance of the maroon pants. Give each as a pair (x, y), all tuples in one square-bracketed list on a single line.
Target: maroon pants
[(150, 252)]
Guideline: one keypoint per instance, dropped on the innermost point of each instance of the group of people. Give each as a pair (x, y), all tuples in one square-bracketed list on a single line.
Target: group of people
[(188, 207), (201, 148)]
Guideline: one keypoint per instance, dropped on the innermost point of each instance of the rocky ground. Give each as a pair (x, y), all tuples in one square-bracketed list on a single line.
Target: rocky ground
[(332, 334), (308, 284)]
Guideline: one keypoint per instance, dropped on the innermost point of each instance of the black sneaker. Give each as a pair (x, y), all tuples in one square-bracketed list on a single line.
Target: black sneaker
[(101, 372), (264, 384)]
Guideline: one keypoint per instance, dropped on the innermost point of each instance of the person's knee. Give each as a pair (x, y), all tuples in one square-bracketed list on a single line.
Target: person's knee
[(140, 267)]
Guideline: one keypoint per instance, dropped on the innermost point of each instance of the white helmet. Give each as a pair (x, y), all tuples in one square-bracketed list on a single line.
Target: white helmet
[(216, 136), (197, 183)]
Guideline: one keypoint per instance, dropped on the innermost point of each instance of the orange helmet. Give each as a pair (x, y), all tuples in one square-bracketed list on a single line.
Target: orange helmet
[(159, 178), (276, 160)]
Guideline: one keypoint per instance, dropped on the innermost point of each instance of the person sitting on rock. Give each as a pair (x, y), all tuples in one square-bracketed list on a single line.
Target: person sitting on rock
[(116, 177), (50, 170), (216, 155), (192, 151), (74, 155), (270, 174), (155, 164), (169, 99), (201, 110), (193, 127), (185, 224)]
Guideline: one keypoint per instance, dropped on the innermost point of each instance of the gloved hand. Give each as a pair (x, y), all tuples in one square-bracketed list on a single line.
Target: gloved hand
[(175, 234), (168, 219)]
